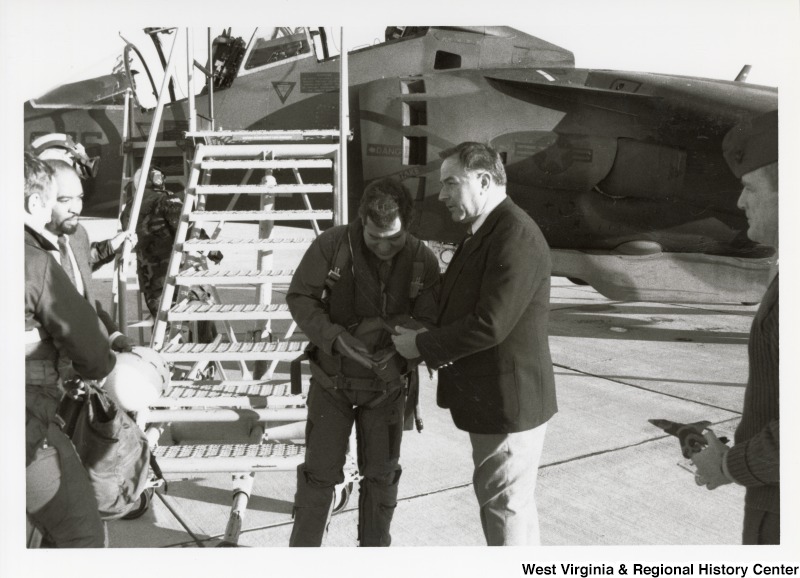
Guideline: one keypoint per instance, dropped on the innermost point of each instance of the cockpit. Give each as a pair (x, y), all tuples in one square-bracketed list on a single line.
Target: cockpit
[(231, 57)]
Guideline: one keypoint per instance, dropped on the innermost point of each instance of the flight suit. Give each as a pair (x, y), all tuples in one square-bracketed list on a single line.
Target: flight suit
[(159, 216), (344, 392)]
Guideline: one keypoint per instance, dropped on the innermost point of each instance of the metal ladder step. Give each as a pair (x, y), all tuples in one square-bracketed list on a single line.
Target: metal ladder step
[(263, 189), (195, 310), (266, 135), (209, 277), (256, 152), (211, 244), (280, 350), (226, 458), (227, 414), (231, 216), (231, 393), (268, 164)]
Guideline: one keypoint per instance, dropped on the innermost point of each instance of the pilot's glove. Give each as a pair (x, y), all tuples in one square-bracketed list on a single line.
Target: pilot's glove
[(122, 343), (709, 463), (215, 257), (353, 348), (383, 366)]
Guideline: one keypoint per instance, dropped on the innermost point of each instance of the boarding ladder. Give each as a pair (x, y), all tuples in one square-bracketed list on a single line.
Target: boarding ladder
[(276, 167), (282, 158)]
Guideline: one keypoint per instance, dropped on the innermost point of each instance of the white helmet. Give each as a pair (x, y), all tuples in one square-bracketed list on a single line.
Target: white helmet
[(60, 146), (138, 379), (155, 177)]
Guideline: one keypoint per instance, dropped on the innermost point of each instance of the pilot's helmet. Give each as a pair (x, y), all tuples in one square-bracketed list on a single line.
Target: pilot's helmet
[(138, 379), (155, 177), (60, 146)]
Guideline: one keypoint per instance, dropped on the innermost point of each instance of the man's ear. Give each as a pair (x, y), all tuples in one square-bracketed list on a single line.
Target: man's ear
[(32, 201), (486, 181)]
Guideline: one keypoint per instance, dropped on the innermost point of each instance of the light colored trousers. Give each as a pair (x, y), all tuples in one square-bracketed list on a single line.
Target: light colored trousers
[(506, 468)]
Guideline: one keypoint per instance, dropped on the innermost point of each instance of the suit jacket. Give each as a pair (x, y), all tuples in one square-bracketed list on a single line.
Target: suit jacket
[(90, 256), (491, 347)]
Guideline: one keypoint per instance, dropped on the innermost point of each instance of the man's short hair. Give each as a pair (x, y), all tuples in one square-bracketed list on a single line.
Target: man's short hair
[(476, 156), (385, 200), (39, 177)]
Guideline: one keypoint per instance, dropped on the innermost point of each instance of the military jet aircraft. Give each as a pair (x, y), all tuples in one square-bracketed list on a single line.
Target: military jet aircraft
[(623, 171)]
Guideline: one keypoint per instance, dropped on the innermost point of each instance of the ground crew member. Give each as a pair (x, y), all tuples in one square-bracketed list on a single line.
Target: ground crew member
[(353, 284), (60, 500), (159, 216), (751, 150)]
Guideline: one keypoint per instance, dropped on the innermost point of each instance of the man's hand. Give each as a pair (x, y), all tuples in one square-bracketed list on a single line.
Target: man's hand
[(405, 341), (117, 240), (122, 343), (353, 348), (709, 463)]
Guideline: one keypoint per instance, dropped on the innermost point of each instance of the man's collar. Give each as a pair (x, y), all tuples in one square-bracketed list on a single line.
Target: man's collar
[(52, 237), (44, 242), (491, 206)]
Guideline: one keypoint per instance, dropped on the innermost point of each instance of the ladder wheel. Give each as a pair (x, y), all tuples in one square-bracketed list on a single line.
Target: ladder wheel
[(142, 505), (343, 492)]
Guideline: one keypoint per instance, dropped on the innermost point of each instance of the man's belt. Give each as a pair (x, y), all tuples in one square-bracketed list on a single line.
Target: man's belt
[(341, 381)]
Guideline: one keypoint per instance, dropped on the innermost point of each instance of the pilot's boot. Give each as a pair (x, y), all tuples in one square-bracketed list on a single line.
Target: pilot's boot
[(376, 504), (313, 506)]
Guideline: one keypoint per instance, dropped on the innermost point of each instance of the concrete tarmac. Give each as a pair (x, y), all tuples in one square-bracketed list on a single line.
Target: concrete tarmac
[(608, 477)]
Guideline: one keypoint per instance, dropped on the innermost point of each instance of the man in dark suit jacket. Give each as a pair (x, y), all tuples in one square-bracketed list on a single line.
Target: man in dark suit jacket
[(491, 347), (77, 256)]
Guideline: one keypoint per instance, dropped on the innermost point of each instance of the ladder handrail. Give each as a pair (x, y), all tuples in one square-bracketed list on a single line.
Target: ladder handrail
[(340, 209), (140, 186), (159, 323)]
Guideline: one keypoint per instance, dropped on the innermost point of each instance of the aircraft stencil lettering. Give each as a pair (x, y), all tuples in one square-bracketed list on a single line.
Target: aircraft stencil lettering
[(378, 150)]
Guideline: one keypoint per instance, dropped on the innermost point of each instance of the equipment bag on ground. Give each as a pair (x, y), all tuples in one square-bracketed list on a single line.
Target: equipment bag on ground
[(113, 449)]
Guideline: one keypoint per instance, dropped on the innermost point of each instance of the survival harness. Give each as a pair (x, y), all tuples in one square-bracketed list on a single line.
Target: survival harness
[(341, 260)]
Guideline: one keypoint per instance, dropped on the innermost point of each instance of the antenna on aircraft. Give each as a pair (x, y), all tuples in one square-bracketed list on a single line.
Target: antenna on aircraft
[(742, 76)]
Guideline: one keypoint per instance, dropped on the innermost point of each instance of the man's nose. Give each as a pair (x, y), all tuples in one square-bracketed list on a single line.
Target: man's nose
[(442, 194), (740, 202)]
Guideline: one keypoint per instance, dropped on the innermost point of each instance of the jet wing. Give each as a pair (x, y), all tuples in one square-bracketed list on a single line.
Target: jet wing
[(567, 97)]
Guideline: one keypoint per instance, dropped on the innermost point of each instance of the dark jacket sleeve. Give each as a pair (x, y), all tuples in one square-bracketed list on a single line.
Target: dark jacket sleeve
[(100, 253), (510, 278), (305, 294), (756, 462), (72, 323)]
